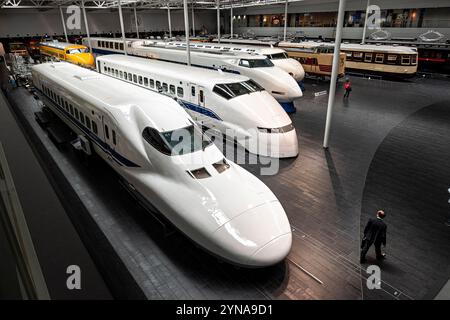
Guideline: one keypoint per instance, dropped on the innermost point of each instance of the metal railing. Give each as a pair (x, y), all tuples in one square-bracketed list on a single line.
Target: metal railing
[(13, 221)]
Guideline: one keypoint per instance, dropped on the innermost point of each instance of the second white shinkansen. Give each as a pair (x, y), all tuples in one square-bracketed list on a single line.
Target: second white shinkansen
[(231, 104), (274, 80), (216, 203)]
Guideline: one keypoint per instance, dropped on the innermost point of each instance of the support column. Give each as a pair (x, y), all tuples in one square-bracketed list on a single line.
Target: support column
[(231, 20), (285, 20), (193, 20), (122, 28), (170, 21), (63, 23), (218, 20), (86, 25), (334, 72), (186, 31), (136, 21), (365, 23)]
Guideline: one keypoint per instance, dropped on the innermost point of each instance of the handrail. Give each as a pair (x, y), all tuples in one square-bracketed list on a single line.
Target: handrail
[(13, 221)]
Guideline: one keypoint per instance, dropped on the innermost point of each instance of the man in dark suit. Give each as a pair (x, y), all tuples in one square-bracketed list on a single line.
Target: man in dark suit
[(374, 233)]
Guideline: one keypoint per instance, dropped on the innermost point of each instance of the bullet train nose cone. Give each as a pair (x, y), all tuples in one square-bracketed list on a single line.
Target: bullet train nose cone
[(258, 237), (272, 252)]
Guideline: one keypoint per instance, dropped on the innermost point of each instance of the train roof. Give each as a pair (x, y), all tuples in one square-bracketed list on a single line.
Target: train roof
[(58, 45), (231, 46), (115, 96), (178, 45), (350, 46), (201, 76)]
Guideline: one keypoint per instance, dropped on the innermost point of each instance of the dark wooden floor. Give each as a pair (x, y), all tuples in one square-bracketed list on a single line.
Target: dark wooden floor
[(321, 191)]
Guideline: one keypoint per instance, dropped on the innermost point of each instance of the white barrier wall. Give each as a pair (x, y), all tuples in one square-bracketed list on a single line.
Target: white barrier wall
[(30, 22)]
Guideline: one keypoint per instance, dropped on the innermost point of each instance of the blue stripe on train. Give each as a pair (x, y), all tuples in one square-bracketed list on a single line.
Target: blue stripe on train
[(200, 109)]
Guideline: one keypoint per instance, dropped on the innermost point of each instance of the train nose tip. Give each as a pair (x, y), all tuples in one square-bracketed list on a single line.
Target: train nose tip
[(272, 252)]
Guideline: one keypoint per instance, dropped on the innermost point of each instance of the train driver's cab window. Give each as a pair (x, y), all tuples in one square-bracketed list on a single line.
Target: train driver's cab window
[(134, 78), (152, 83), (172, 89), (379, 58), (106, 131), (406, 60), (357, 56), (348, 55), (368, 57), (140, 79), (180, 92), (255, 63), (392, 59), (178, 141), (193, 91)]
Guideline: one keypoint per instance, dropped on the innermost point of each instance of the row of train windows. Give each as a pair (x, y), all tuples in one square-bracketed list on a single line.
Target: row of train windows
[(110, 44), (164, 87), (370, 57), (308, 61), (79, 115)]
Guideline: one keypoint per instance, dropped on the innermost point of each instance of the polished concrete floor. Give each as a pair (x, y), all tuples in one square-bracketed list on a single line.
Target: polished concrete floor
[(325, 194)]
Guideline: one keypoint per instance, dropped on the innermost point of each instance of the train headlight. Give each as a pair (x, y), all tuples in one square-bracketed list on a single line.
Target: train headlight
[(284, 129)]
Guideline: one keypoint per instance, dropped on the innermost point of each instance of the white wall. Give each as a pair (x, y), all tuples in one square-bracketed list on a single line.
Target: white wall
[(30, 22)]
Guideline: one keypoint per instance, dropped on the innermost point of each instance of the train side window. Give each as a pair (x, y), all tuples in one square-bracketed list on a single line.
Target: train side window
[(106, 131), (165, 87), (140, 79), (121, 74), (414, 60), (82, 117), (88, 122), (71, 109), (172, 89), (180, 92), (106, 69), (121, 46), (379, 58), (94, 127), (117, 73), (200, 96), (406, 60), (368, 57), (193, 91), (77, 115), (158, 85), (114, 136), (145, 81), (129, 76), (392, 59), (125, 75), (134, 78), (152, 83), (109, 69), (116, 46), (111, 45), (348, 55), (357, 56)]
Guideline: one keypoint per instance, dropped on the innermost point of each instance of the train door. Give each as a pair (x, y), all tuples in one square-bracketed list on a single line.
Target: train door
[(110, 137)]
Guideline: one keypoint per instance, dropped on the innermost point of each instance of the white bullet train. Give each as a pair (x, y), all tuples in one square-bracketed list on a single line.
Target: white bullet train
[(276, 81), (231, 104), (215, 202), (278, 56)]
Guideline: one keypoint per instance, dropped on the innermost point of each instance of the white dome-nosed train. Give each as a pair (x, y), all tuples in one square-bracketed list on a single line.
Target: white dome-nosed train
[(231, 104), (215, 202)]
